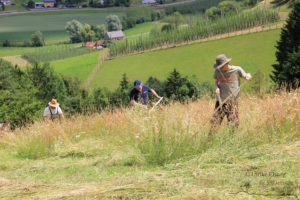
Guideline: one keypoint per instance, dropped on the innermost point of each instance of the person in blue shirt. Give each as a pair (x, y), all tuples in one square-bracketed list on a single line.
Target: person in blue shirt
[(140, 93)]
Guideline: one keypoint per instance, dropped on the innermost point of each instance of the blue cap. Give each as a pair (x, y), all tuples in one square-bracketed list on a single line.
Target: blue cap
[(137, 82)]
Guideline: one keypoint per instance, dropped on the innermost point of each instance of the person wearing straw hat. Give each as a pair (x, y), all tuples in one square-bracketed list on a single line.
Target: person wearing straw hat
[(139, 93), (53, 111), (227, 88)]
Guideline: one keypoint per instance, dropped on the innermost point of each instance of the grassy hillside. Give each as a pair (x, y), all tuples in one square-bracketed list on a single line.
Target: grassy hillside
[(253, 52), (17, 60), (129, 154), (139, 29), (79, 66)]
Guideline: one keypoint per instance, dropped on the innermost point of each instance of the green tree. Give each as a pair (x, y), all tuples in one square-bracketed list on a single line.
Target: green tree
[(287, 69), (2, 6), (124, 83), (73, 98), (48, 82), (161, 1), (18, 102), (37, 39), (100, 99), (30, 4), (86, 102), (175, 20), (6, 43), (175, 85), (74, 28), (113, 23), (157, 85), (100, 31), (87, 34), (228, 7), (213, 13), (120, 97)]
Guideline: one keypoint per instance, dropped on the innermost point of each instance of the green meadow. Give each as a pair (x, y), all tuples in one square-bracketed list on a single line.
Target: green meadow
[(78, 66), (253, 52), (13, 51), (51, 37), (52, 24), (139, 29)]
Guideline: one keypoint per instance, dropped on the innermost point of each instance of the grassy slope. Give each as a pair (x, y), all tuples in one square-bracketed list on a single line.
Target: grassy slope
[(101, 157), (253, 52), (139, 29), (51, 37), (79, 66), (17, 60)]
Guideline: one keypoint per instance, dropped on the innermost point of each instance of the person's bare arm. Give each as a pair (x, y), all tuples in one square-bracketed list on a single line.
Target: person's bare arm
[(61, 116), (217, 90), (247, 76), (155, 94)]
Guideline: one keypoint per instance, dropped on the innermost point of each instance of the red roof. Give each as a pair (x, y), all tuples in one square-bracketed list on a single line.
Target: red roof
[(90, 44)]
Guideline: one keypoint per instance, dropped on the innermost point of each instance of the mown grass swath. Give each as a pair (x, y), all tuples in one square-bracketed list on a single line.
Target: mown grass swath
[(51, 53), (200, 28)]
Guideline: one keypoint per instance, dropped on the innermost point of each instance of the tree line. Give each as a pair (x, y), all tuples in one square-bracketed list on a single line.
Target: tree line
[(25, 93)]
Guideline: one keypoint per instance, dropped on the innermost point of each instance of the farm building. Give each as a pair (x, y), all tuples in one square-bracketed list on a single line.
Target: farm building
[(115, 35), (49, 3), (39, 5), (95, 45)]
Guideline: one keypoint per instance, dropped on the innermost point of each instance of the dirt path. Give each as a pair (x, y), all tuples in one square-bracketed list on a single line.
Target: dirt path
[(102, 57), (17, 60)]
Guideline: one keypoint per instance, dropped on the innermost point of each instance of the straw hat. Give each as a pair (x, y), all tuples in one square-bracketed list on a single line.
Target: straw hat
[(221, 60), (53, 103)]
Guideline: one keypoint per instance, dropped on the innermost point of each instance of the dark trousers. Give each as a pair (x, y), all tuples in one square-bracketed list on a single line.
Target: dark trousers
[(228, 109)]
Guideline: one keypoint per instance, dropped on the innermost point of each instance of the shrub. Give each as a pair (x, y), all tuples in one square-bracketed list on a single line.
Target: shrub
[(30, 4), (18, 102), (37, 39), (6, 43)]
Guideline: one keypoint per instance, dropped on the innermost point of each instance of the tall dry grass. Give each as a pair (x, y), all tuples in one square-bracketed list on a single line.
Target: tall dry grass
[(172, 132)]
